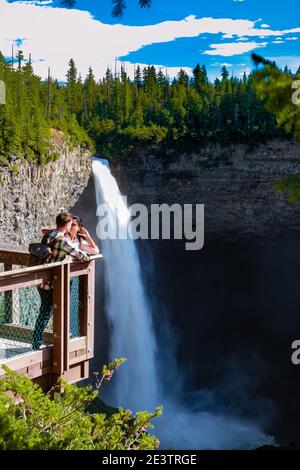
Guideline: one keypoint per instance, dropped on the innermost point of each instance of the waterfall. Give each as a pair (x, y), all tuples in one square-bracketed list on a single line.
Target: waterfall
[(185, 424), (132, 333)]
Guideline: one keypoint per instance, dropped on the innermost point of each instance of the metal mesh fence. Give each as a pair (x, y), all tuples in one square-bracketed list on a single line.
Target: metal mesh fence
[(75, 305), (19, 313), (26, 319)]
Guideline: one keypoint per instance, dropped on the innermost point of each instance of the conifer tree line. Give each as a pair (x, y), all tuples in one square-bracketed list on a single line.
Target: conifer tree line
[(116, 113), (26, 119)]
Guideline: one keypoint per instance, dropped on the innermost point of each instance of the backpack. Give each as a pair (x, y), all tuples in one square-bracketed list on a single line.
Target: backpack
[(41, 253)]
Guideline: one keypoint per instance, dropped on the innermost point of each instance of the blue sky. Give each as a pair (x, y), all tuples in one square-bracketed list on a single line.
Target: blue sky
[(163, 10), (171, 34)]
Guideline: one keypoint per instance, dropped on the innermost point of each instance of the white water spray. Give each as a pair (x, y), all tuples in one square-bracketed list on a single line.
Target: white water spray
[(137, 383), (132, 334)]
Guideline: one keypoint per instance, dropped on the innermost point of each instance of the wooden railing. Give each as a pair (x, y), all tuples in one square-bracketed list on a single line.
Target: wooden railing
[(62, 355)]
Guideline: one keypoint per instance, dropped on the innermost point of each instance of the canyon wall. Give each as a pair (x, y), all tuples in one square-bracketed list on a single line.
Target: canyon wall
[(32, 195), (235, 183)]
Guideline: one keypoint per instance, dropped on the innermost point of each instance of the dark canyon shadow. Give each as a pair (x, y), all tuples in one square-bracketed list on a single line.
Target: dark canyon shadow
[(234, 311)]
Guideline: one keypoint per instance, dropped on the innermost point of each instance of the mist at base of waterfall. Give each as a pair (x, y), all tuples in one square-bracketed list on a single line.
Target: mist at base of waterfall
[(184, 429)]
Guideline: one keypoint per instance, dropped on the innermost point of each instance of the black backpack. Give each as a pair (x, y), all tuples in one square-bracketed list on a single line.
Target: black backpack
[(41, 253)]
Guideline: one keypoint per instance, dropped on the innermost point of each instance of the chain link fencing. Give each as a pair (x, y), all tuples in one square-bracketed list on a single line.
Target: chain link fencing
[(26, 320)]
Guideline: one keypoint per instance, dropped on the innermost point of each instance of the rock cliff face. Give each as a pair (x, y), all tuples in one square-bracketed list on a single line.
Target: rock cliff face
[(32, 195), (235, 183)]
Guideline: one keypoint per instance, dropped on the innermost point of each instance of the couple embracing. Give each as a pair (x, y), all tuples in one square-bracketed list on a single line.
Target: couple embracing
[(68, 239)]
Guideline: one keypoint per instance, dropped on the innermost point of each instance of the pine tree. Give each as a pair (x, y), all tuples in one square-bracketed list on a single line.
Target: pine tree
[(72, 86), (138, 77), (183, 78), (224, 73), (20, 58), (118, 5), (90, 95)]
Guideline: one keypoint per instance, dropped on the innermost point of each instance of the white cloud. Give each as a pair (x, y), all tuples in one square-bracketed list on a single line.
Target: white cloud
[(294, 38), (38, 2), (221, 64), (57, 34), (226, 64), (233, 48), (278, 41), (246, 71), (264, 25)]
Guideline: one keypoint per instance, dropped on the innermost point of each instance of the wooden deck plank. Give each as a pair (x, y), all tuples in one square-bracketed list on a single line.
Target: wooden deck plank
[(77, 372), (22, 280), (28, 359), (58, 321), (77, 343), (43, 267), (91, 310), (78, 358), (66, 313)]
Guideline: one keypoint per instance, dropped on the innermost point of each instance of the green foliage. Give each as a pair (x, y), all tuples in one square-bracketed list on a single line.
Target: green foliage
[(291, 187), (14, 169), (108, 371), (3, 160), (116, 113), (65, 422), (274, 87), (151, 133), (23, 128), (32, 108), (120, 113)]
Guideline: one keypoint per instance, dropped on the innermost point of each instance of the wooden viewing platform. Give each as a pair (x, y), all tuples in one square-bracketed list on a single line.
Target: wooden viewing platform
[(61, 354)]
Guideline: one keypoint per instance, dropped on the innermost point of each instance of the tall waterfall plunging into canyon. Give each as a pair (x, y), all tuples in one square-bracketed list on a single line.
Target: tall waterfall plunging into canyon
[(132, 333), (140, 383)]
